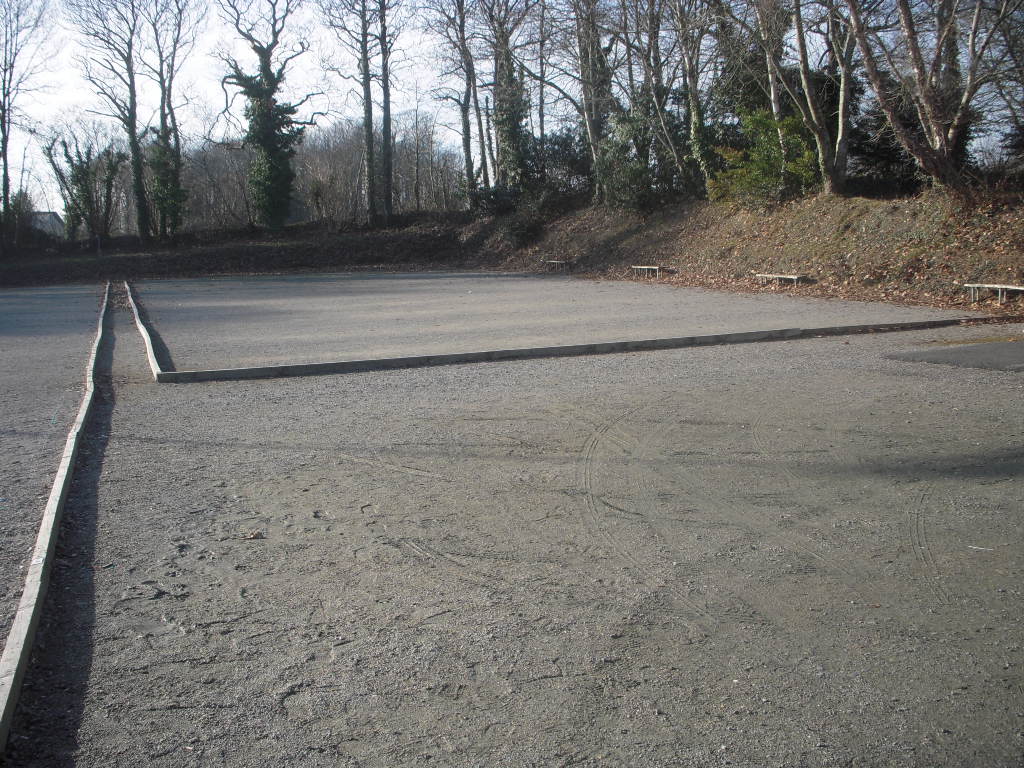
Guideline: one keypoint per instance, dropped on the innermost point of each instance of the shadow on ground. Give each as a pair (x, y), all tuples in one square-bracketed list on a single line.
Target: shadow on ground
[(50, 709)]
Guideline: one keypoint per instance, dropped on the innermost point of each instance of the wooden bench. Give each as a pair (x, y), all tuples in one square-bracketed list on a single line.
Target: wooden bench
[(1001, 290), (764, 278), (558, 265), (639, 269)]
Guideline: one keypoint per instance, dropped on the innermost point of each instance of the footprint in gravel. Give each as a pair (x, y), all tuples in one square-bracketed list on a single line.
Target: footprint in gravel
[(151, 590)]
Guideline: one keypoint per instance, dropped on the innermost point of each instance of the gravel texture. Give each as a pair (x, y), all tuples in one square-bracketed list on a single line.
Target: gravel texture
[(46, 336), (241, 322), (787, 554)]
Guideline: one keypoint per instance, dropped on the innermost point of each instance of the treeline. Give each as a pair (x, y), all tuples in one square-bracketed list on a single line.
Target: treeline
[(92, 163), (625, 102)]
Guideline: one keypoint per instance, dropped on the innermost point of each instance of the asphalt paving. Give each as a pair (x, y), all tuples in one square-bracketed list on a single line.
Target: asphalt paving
[(991, 355)]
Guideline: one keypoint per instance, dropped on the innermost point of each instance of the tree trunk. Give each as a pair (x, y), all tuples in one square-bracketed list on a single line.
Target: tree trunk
[(490, 140), (465, 105), (698, 133), (5, 212), (813, 117), (387, 140), (365, 78), (542, 65), (142, 217), (467, 141), (416, 161), (481, 135)]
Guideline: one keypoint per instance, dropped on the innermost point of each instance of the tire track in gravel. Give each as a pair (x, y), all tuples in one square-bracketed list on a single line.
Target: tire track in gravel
[(694, 616), (799, 545), (914, 521), (733, 607), (765, 606), (917, 533), (424, 552), (378, 463), (741, 601), (855, 575)]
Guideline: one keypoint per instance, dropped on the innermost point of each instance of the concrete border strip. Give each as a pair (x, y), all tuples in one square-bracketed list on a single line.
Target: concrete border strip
[(574, 350), (493, 355), (154, 366), (20, 638)]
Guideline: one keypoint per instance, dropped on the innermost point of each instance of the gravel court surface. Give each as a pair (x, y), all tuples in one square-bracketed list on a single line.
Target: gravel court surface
[(240, 322), (797, 553), (46, 336)]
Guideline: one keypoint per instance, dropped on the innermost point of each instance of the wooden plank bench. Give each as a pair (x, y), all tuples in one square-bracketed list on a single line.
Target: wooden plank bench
[(639, 269), (765, 277), (558, 265), (1001, 290)]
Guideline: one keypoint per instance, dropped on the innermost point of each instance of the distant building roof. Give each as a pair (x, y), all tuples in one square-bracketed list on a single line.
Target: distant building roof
[(49, 222)]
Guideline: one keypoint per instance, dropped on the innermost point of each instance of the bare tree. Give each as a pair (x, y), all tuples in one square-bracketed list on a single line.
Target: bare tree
[(695, 22), (112, 33), (939, 56), (504, 21), (387, 38), (20, 61), (216, 176), (650, 76), (1009, 50), (331, 167), (834, 37), (770, 32), (581, 72), (543, 42), (353, 22), (450, 21), (172, 26)]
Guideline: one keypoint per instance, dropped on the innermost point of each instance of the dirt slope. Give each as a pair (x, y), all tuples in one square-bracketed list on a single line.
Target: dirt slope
[(916, 250)]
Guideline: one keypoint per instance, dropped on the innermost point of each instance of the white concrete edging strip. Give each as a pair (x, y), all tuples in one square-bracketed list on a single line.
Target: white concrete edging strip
[(154, 366), (18, 648)]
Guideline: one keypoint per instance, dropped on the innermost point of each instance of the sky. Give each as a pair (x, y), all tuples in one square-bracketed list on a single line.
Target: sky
[(61, 95)]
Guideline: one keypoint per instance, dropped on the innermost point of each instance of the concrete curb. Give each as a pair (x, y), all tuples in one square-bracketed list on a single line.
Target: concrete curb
[(154, 366), (18, 648), (574, 350)]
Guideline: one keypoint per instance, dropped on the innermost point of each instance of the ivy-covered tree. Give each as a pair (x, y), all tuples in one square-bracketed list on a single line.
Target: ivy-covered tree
[(505, 20), (273, 129), (87, 175), (511, 110), (172, 27)]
